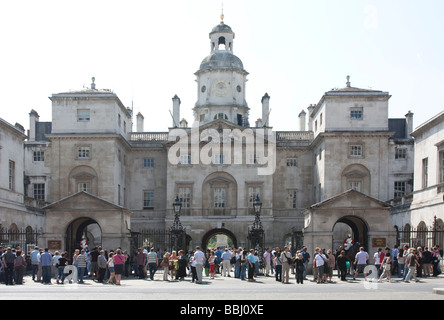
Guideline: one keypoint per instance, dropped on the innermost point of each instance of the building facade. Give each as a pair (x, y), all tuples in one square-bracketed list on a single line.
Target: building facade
[(102, 182)]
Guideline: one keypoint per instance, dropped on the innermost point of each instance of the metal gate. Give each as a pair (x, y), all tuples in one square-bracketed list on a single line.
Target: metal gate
[(421, 237), (26, 239), (163, 239)]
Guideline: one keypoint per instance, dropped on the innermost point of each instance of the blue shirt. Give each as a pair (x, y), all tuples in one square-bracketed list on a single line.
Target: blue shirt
[(251, 258), (218, 255), (35, 256), (46, 259)]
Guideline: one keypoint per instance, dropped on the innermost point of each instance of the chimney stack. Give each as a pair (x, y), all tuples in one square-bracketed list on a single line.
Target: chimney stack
[(33, 118), (140, 122), (176, 111), (265, 109), (302, 120), (409, 124)]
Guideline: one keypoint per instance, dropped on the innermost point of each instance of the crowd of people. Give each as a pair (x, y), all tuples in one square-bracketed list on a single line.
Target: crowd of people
[(109, 267)]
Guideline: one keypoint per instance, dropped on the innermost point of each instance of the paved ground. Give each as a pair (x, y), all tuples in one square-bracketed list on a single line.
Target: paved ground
[(221, 289)]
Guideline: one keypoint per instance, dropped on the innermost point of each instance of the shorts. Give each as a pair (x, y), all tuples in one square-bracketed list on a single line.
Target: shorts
[(360, 268)]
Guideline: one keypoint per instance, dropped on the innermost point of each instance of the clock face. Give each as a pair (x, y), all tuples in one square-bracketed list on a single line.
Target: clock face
[(220, 88)]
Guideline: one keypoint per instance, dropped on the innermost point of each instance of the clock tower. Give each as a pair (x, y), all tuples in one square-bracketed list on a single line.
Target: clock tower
[(221, 81)]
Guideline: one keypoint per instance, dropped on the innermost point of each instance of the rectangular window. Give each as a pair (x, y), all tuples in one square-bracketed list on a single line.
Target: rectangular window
[(425, 172), (441, 161), (400, 188), (83, 115), (292, 199), (148, 163), (84, 186), (401, 153), (356, 114), (356, 150), (83, 152), (185, 197), (38, 156), (148, 199), (11, 175), (219, 198), (355, 185), (292, 162), (39, 191), (253, 192)]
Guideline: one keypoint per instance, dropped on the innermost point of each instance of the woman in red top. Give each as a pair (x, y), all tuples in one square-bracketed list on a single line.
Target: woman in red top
[(119, 260)]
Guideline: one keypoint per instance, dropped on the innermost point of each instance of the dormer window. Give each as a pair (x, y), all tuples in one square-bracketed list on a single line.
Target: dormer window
[(221, 116)]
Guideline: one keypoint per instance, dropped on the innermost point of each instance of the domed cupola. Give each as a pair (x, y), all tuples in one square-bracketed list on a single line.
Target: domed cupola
[(221, 81)]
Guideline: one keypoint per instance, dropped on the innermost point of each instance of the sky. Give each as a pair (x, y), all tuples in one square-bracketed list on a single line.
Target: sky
[(148, 51)]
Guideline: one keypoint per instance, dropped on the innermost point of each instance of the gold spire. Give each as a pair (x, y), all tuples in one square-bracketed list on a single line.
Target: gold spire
[(222, 15)]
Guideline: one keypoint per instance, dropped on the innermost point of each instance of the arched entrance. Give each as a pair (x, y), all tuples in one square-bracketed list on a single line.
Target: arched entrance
[(350, 225), (219, 237), (82, 232)]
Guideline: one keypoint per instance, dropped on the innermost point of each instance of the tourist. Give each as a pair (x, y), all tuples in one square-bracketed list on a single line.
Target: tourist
[(243, 262), (207, 264), (62, 262), (342, 265), (119, 261), (101, 266), (319, 261), (420, 260), (193, 268), (94, 255), (46, 261), (141, 257), (267, 261), (306, 257), (173, 265), (361, 259), (300, 268), (401, 261), (251, 261), (152, 263), (111, 269), (331, 262), (427, 262), (19, 267), (165, 265), (35, 263), (378, 257), (287, 262), (81, 265), (386, 266), (8, 259), (199, 257), (436, 260), (278, 265), (212, 264), (413, 265), (182, 263), (226, 264), (54, 268)]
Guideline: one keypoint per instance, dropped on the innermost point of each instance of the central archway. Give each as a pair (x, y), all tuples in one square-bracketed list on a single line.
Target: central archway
[(83, 229), (220, 231), (350, 225)]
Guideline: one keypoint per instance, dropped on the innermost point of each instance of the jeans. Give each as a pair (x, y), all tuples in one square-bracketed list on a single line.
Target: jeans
[(46, 274), (278, 272), (82, 271), (61, 274), (152, 267), (243, 272)]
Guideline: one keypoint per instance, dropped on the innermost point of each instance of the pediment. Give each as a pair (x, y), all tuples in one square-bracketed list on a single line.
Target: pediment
[(82, 201), (350, 199)]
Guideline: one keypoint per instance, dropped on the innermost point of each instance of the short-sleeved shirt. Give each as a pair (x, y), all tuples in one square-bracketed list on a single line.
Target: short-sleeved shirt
[(152, 256), (199, 257), (362, 257)]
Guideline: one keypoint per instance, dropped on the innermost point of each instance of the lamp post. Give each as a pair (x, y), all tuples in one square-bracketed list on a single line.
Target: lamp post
[(256, 232), (177, 230)]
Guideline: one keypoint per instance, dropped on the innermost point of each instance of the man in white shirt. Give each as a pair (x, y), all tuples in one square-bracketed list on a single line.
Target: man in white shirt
[(361, 262), (199, 259)]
